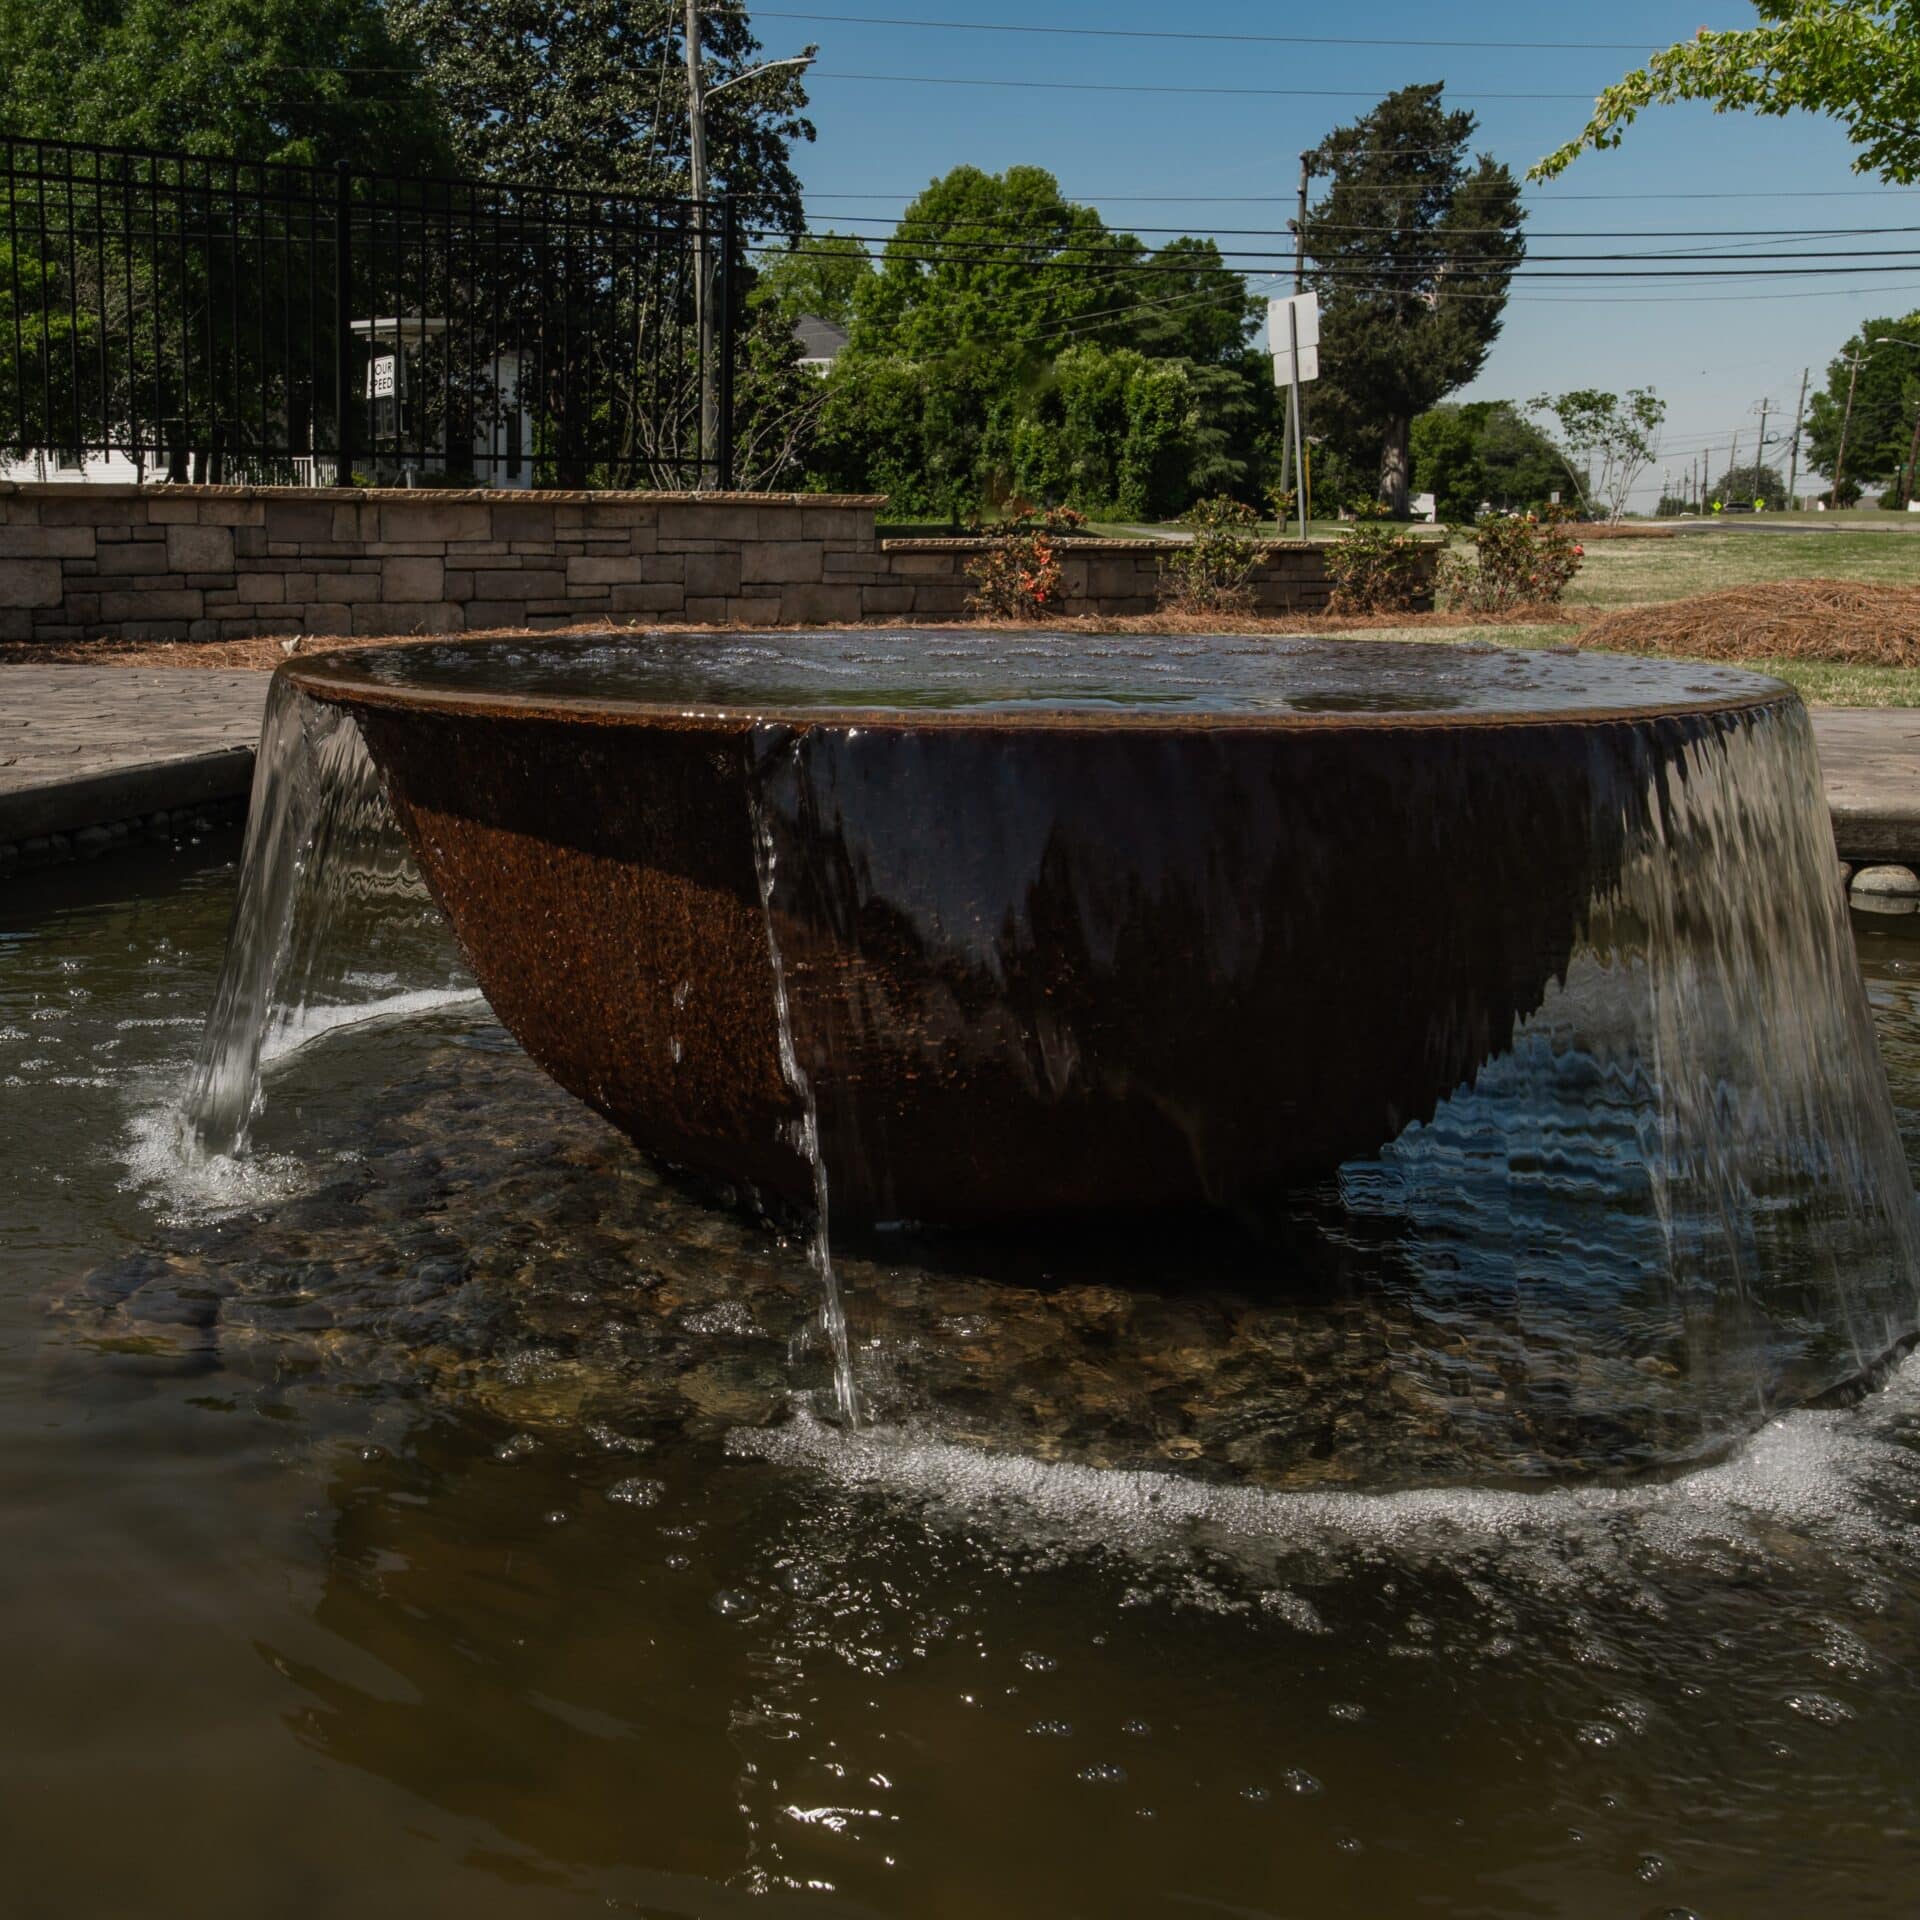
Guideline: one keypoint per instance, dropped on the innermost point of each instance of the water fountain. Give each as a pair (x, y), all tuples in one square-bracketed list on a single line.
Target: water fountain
[(1536, 959), (1418, 1522)]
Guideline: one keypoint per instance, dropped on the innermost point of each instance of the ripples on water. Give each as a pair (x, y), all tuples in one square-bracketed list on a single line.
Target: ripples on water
[(437, 1527)]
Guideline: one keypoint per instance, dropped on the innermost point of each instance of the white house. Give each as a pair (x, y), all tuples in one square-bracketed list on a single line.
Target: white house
[(500, 454)]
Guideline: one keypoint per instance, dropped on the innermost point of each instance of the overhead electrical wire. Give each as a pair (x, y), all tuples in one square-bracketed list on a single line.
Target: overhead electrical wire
[(1159, 87), (1231, 39)]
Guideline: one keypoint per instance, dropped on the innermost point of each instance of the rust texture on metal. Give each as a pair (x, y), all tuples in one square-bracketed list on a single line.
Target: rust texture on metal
[(1032, 969)]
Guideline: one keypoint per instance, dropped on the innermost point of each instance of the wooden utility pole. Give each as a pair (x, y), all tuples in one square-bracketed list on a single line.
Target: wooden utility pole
[(1760, 451), (702, 270), (1289, 455), (1793, 472), (1846, 422)]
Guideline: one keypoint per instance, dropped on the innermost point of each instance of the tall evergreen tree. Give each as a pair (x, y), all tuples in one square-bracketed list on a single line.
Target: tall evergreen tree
[(1412, 250)]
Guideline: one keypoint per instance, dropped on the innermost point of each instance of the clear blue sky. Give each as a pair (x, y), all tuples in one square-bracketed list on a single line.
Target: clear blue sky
[(1712, 349)]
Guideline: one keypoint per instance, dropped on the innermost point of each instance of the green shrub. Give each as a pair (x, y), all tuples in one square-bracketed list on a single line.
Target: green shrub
[(1518, 560), (1018, 577), (1213, 572), (1375, 569)]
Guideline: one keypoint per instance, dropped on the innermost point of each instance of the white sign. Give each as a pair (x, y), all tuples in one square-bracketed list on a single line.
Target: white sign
[(1283, 366), (380, 376), (1294, 323)]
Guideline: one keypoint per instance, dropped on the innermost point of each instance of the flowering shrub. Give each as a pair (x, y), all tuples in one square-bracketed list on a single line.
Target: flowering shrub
[(1018, 577), (1518, 560), (1373, 568), (1213, 572)]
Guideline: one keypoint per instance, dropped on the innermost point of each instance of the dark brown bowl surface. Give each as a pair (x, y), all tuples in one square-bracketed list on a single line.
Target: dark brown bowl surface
[(1063, 922)]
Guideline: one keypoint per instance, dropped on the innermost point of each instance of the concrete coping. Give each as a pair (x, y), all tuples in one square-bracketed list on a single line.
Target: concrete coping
[(1079, 543), (428, 496)]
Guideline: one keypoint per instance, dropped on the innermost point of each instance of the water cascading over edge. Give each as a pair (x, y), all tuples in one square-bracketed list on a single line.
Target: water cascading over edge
[(331, 923)]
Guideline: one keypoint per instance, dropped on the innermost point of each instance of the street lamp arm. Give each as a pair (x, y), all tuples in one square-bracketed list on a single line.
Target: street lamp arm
[(805, 59)]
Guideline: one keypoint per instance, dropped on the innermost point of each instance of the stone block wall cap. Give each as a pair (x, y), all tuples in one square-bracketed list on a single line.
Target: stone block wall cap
[(430, 496), (1083, 543)]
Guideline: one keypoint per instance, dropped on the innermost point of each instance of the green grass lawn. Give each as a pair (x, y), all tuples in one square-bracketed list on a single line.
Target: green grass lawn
[(1635, 573)]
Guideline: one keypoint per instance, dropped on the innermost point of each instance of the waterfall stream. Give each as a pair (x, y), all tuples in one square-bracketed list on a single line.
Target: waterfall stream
[(332, 923), (806, 1129)]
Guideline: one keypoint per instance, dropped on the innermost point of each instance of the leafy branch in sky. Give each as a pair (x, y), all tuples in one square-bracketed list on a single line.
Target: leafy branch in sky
[(1857, 61)]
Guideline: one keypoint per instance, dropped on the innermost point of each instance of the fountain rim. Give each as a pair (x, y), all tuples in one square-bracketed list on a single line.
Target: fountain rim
[(331, 677)]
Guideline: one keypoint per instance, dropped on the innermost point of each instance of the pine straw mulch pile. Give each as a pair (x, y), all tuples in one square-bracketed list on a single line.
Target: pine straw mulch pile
[(1845, 622)]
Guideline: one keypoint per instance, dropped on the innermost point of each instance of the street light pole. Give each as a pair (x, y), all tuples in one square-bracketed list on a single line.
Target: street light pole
[(702, 291), (1846, 422), (698, 94)]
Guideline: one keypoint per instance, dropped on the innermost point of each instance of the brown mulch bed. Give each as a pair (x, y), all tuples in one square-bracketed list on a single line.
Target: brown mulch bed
[(1847, 622), (1586, 530), (269, 651)]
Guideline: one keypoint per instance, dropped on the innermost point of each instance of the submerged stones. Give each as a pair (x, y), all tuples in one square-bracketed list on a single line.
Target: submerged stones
[(492, 1244)]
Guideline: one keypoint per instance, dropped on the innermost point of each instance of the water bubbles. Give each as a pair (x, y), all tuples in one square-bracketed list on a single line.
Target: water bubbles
[(518, 1448), (1297, 1780), (1650, 1868), (556, 1517), (735, 1603), (636, 1493), (1102, 1774), (1347, 1710), (1138, 1729), (1841, 1650), (1038, 1662), (1821, 1708), (1256, 1796), (1597, 1733), (1052, 1729), (1348, 1844)]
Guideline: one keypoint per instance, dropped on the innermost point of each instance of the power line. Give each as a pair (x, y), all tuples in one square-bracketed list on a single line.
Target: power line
[(922, 222), (1115, 86), (1588, 266), (1082, 197), (1235, 39)]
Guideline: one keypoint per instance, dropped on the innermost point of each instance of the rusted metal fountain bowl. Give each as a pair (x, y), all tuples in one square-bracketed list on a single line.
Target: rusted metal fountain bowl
[(1055, 923)]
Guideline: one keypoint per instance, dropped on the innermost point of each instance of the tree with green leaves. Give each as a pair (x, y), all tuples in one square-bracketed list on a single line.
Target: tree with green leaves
[(818, 273), (1466, 453), (1010, 342), (307, 81), (1412, 250), (594, 94), (1750, 482), (1609, 439), (1856, 61), (1884, 384)]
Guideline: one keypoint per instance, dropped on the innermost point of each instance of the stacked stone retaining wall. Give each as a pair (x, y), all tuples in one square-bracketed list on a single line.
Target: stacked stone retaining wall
[(218, 563)]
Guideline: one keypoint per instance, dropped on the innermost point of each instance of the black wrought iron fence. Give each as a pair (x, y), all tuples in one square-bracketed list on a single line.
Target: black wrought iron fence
[(223, 321)]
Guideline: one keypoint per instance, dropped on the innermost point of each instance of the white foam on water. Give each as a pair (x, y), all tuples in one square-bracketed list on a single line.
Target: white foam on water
[(1833, 1478), (162, 1150), (188, 1185), (303, 1025)]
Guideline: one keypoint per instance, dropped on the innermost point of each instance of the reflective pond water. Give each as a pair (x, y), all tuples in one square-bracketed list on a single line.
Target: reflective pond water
[(436, 1519)]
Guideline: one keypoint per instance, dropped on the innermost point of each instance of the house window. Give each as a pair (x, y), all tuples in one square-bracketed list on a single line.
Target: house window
[(69, 460)]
